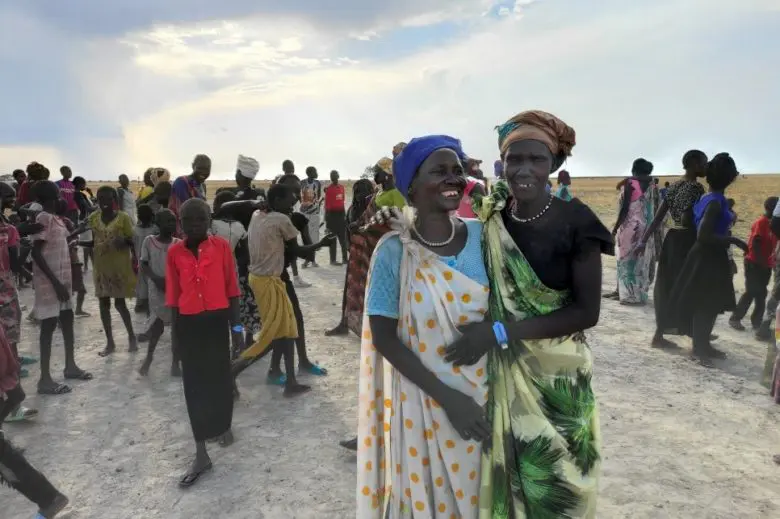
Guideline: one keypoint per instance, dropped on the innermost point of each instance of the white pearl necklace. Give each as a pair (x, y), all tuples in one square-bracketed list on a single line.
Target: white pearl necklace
[(433, 244), (527, 220)]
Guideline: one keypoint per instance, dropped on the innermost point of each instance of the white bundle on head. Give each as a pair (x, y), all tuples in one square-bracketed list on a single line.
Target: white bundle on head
[(248, 167)]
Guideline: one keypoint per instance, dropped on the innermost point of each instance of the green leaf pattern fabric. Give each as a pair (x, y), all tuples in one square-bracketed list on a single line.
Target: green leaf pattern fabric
[(543, 458)]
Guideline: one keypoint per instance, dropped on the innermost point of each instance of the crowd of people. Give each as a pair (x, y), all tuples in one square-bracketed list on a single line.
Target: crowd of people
[(470, 298)]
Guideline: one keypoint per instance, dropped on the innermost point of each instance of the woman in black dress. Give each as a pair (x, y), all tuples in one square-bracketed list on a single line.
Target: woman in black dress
[(678, 203), (705, 287)]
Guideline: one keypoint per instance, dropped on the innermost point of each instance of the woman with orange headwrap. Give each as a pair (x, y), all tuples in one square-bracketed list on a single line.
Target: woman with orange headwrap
[(543, 258)]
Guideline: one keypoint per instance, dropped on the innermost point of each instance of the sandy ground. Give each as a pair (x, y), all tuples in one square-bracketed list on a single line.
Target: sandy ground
[(680, 441)]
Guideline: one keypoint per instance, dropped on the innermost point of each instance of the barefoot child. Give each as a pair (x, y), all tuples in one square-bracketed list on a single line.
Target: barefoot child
[(52, 283), (145, 227), (153, 255), (113, 268), (76, 272), (202, 290)]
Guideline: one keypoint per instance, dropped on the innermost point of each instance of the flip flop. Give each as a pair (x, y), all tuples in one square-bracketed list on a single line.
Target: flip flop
[(27, 361), (190, 478), (314, 369), (56, 389), (81, 315), (78, 375), (276, 380), (21, 414)]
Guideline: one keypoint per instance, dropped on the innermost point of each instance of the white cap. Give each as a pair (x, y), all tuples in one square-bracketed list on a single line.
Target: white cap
[(248, 167)]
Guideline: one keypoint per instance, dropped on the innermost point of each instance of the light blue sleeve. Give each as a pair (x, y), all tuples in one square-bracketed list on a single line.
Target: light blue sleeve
[(383, 294)]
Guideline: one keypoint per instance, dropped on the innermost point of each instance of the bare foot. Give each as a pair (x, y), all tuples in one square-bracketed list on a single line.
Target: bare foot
[(133, 344), (292, 390), (226, 440), (663, 344), (144, 369), (109, 349)]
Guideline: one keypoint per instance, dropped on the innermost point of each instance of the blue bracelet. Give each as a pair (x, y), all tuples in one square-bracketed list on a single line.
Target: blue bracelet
[(238, 328), (501, 337)]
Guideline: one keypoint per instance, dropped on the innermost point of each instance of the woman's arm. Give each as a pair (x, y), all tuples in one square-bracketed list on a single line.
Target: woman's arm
[(625, 201), (657, 221), (583, 311)]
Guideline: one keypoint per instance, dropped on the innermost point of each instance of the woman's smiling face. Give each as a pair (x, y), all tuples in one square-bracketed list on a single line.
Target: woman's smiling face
[(439, 183)]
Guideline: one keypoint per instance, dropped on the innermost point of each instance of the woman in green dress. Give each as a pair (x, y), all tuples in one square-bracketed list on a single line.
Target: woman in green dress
[(113, 264), (543, 257)]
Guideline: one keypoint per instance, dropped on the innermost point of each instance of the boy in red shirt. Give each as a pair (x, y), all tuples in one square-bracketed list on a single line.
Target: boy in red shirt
[(759, 262), (336, 216)]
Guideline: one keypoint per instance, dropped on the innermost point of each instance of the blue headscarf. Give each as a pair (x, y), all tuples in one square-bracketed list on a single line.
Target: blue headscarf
[(406, 164)]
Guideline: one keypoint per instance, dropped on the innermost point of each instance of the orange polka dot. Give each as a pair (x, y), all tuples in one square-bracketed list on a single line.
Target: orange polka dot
[(450, 297), (408, 492), (441, 350), (430, 323), (418, 274), (470, 449), (453, 516), (462, 319), (427, 403), (366, 491), (412, 331), (439, 482), (374, 502), (428, 434), (486, 289), (367, 334), (369, 466), (380, 416), (435, 404), (480, 372), (372, 405), (473, 475), (415, 478), (382, 465), (412, 452), (420, 506), (409, 423), (442, 508), (482, 311), (447, 275), (450, 444), (436, 425), (466, 298), (388, 403), (426, 462), (373, 430), (368, 442), (381, 441), (456, 369), (474, 500), (459, 494), (398, 468), (422, 347), (418, 297), (455, 467), (403, 397), (432, 278)]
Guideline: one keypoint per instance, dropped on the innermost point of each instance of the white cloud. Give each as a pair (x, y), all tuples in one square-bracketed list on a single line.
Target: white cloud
[(651, 78)]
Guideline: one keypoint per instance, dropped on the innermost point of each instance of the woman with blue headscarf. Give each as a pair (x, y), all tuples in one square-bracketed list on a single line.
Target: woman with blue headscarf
[(421, 419)]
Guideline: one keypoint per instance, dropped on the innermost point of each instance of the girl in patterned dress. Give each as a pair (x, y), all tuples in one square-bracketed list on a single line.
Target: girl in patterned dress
[(113, 266)]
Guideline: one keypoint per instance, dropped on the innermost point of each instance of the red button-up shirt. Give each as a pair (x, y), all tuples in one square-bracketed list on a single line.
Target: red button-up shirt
[(196, 285)]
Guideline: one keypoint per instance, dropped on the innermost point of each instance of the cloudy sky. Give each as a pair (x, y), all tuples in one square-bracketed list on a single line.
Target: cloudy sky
[(115, 87)]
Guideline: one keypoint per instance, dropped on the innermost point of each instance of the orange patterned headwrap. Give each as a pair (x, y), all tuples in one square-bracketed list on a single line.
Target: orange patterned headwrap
[(537, 125)]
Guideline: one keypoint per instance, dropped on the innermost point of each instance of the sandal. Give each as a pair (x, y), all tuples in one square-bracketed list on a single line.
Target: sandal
[(190, 478), (21, 414), (27, 361), (313, 369), (54, 389), (80, 315), (276, 380), (78, 375)]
